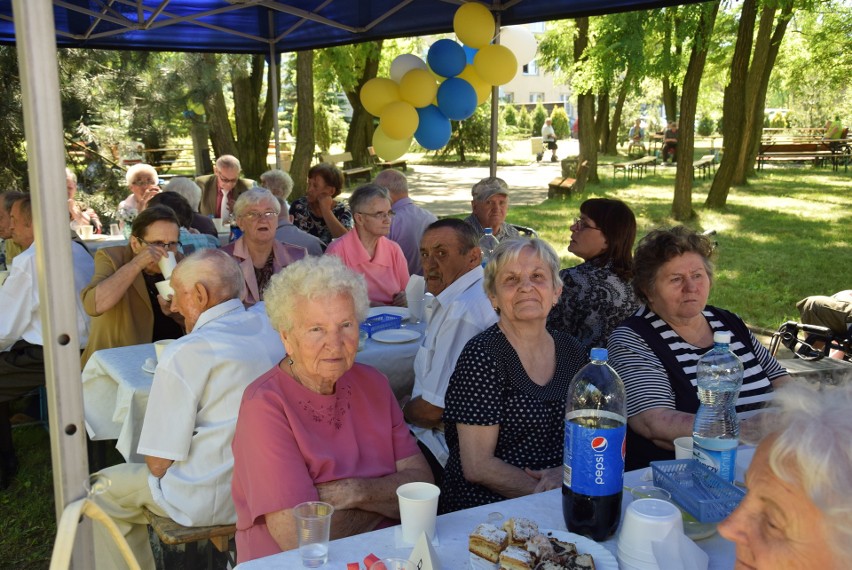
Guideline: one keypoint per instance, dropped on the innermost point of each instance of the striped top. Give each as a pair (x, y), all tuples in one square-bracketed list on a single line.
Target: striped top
[(647, 383)]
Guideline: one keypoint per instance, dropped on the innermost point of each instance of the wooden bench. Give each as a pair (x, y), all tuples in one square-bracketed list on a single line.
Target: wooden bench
[(171, 533), (703, 165), (385, 164), (639, 166), (564, 187), (348, 173)]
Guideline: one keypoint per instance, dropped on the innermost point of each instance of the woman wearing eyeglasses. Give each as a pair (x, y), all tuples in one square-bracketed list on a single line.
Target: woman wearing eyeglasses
[(597, 294), (122, 297), (367, 249), (257, 251), (142, 180)]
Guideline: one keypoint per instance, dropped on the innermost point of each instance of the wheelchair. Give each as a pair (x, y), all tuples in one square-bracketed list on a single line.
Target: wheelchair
[(811, 342)]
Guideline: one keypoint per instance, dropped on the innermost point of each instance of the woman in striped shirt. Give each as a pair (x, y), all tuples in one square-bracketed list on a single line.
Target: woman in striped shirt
[(655, 350)]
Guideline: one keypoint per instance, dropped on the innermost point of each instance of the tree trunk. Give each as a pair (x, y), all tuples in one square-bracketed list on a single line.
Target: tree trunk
[(682, 204), (586, 107), (361, 127), (303, 154), (733, 109), (602, 121), (761, 69), (669, 100), (221, 136), (612, 147), (200, 149), (253, 119)]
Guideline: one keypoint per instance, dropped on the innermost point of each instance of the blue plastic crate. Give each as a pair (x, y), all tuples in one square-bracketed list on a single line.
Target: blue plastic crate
[(697, 489), (381, 322)]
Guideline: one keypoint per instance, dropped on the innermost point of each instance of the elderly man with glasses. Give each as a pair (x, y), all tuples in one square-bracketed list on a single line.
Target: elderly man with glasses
[(220, 190), (490, 205), (122, 297)]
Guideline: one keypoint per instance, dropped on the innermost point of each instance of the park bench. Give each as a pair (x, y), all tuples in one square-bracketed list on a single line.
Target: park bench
[(817, 152), (162, 159), (350, 173), (171, 533), (385, 164), (704, 166), (640, 166), (563, 187)]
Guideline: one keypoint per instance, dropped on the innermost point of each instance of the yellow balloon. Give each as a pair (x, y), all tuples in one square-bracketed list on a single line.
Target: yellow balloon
[(483, 89), (377, 93), (418, 87), (399, 120), (474, 25), (388, 148), (495, 64)]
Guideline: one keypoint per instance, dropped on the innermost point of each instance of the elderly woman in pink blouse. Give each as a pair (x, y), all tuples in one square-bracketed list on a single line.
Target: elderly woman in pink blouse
[(318, 426), (367, 250)]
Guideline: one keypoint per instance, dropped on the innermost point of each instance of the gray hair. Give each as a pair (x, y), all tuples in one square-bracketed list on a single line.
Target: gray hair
[(9, 198), (308, 279), (393, 180), (364, 194), (140, 168), (278, 182), (509, 250), (71, 174), (216, 270), (228, 161), (186, 188), (253, 197), (814, 429)]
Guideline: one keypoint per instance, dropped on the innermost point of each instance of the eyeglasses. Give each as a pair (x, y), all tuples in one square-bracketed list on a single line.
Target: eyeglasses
[(584, 225), (380, 215), (164, 244), (224, 180), (255, 216), (145, 182)]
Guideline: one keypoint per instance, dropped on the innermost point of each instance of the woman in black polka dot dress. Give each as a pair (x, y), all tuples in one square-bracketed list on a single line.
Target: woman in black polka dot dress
[(506, 399)]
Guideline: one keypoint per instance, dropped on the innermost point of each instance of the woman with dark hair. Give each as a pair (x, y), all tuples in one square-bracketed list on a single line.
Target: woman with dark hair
[(655, 350), (122, 297), (317, 212), (597, 295)]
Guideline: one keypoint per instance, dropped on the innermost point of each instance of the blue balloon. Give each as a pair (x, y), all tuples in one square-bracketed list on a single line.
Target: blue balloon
[(434, 129), (457, 98), (446, 58), (470, 53)]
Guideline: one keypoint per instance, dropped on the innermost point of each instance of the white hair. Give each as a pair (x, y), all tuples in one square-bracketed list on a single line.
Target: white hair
[(186, 188), (228, 161), (278, 182), (216, 270), (140, 168), (509, 250), (256, 195)]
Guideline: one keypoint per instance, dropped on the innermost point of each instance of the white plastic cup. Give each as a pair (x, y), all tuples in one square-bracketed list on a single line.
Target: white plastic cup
[(418, 510), (220, 226), (167, 264), (416, 309), (114, 230), (164, 288), (85, 231), (646, 521), (313, 524), (160, 346), (683, 447)]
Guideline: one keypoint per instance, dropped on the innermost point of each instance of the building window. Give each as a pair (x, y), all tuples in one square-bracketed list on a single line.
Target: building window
[(536, 97), (531, 68)]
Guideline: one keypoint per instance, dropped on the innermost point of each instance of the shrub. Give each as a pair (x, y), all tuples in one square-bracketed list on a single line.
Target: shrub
[(539, 114), (705, 126), (561, 123), (510, 115), (524, 121)]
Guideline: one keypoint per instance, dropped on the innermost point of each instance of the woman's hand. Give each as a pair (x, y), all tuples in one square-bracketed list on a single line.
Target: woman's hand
[(147, 195), (399, 300), (547, 478)]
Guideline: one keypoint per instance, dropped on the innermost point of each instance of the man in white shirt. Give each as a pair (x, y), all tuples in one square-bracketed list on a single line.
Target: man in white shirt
[(548, 137), (192, 410), (21, 337), (453, 272), (409, 220)]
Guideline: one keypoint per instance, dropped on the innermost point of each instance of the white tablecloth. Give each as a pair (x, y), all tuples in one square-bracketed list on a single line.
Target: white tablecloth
[(453, 530), (115, 388), (102, 240)]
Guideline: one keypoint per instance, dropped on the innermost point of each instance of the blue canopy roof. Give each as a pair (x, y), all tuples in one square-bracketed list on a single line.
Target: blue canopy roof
[(254, 26)]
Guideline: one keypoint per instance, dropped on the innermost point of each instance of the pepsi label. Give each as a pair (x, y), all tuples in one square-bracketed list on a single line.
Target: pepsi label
[(594, 452)]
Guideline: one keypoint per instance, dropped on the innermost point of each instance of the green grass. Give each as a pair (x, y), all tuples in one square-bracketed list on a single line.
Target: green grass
[(781, 238)]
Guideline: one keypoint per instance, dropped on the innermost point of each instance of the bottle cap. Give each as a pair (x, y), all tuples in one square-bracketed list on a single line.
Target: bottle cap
[(722, 337), (488, 230), (599, 354)]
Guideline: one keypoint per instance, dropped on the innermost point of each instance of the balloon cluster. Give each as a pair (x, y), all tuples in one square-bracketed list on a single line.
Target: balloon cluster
[(421, 97)]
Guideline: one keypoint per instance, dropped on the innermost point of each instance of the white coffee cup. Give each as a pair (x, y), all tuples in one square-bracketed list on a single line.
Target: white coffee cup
[(85, 231), (161, 345), (167, 264), (418, 510), (683, 447), (646, 521), (164, 288)]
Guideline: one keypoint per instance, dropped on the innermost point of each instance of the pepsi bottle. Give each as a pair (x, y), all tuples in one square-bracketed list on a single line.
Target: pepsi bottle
[(595, 432)]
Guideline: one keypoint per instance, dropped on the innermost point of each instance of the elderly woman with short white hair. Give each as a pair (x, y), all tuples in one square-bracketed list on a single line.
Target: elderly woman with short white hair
[(257, 251), (281, 185), (798, 509), (142, 180), (318, 426)]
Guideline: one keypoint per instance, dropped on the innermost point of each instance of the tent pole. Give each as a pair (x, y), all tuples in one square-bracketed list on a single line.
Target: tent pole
[(273, 73), (37, 62), (495, 111)]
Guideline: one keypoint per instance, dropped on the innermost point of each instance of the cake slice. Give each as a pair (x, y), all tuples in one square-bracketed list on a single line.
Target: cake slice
[(520, 530), (487, 541), (515, 558)]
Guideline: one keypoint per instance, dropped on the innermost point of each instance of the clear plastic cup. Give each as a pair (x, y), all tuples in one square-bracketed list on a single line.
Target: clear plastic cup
[(313, 524)]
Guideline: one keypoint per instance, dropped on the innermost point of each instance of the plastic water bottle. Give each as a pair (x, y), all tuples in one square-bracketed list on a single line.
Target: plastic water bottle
[(487, 243), (715, 434), (595, 432)]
